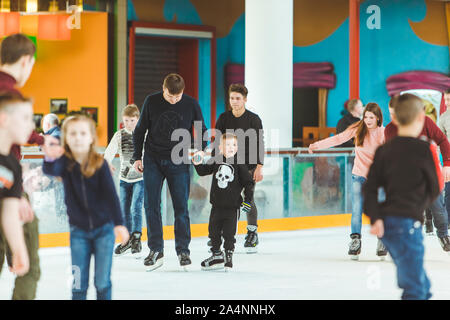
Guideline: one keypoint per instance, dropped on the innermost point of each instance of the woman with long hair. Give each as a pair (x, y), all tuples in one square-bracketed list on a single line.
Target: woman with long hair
[(369, 135)]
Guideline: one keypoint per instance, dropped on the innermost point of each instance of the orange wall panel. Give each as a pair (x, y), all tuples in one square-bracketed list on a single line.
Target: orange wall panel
[(76, 69)]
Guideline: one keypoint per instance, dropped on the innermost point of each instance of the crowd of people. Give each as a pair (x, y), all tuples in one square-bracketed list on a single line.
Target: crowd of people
[(396, 177), (98, 215)]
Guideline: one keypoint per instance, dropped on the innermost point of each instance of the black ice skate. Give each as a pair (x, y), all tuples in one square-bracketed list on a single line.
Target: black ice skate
[(122, 249), (251, 242), (228, 259), (429, 227), (136, 245), (216, 261), (185, 260), (445, 243), (381, 250), (355, 246), (154, 260)]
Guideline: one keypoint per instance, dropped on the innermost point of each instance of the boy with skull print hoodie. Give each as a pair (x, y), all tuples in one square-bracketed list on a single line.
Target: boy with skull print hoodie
[(229, 178)]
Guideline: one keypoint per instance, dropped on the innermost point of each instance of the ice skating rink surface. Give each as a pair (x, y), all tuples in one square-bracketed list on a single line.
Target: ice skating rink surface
[(291, 265)]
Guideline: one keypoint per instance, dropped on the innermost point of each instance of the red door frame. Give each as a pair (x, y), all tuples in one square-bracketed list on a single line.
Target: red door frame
[(132, 43), (354, 48)]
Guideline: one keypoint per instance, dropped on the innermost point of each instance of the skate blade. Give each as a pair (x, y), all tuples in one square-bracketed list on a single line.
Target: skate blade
[(214, 267), (122, 254), (138, 255), (430, 233), (382, 258), (251, 250), (157, 265), (354, 257), (228, 269), (186, 268)]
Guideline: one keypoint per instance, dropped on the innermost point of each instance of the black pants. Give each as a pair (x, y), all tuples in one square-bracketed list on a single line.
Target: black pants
[(223, 222), (252, 216)]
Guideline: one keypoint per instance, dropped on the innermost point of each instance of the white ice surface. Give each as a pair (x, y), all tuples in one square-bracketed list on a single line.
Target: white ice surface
[(304, 264)]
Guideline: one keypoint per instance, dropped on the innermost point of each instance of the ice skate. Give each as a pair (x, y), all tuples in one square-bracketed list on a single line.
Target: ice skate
[(154, 260), (251, 242), (122, 249), (445, 243), (136, 245), (355, 246), (228, 260), (381, 250), (185, 261), (215, 262)]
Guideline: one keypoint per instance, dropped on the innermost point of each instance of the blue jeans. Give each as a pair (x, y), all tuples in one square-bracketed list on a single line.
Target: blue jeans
[(178, 180), (447, 200), (83, 244), (357, 203), (404, 240), (132, 203), (440, 217)]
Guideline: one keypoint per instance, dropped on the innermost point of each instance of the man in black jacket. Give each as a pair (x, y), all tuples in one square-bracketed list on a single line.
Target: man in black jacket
[(162, 114), (355, 110)]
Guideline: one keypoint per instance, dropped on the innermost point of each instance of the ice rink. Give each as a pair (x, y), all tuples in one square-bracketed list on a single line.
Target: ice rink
[(304, 264)]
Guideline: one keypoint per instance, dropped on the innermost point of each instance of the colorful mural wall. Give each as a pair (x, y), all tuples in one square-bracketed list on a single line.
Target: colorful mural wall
[(395, 37)]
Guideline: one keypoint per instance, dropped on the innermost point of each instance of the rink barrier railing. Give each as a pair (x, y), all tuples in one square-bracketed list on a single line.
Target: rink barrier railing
[(341, 219)]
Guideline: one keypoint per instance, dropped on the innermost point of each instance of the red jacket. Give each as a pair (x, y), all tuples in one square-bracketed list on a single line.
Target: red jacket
[(8, 84), (431, 131)]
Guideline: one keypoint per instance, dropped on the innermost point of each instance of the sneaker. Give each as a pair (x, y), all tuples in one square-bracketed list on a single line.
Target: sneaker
[(355, 246), (154, 260), (122, 249), (228, 259), (136, 245), (445, 243), (184, 259), (216, 261), (251, 242), (381, 250)]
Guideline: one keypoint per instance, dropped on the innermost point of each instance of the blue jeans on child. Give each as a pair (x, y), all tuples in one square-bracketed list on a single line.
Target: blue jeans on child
[(132, 203), (178, 181), (404, 240), (83, 244)]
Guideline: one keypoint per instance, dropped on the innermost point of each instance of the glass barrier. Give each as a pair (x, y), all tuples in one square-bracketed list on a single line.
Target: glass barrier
[(295, 184)]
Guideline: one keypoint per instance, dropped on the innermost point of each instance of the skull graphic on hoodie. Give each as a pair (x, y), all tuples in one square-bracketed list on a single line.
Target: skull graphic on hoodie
[(224, 175)]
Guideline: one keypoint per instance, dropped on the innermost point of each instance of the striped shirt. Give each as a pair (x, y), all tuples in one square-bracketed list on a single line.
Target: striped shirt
[(122, 143)]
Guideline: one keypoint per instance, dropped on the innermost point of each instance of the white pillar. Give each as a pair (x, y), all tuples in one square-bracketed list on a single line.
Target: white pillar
[(269, 65), (121, 43)]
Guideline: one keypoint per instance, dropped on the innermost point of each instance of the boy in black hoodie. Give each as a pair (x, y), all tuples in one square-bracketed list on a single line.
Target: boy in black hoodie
[(228, 181), (408, 170)]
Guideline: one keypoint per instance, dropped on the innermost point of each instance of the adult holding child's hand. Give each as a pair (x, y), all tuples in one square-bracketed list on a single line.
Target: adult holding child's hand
[(138, 166)]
